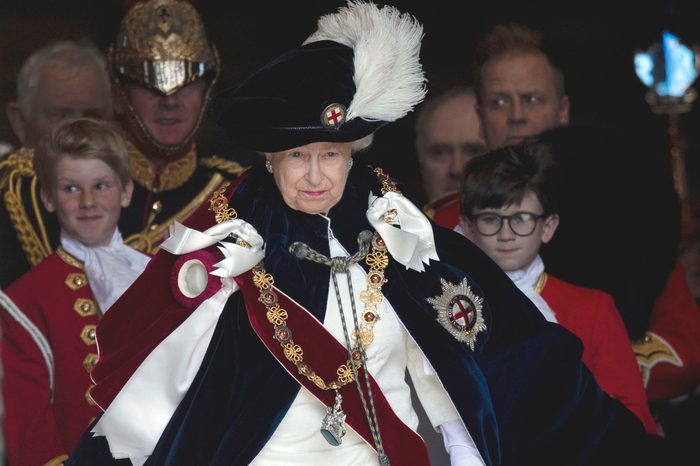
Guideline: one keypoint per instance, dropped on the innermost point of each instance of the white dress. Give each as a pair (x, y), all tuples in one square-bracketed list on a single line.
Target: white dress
[(297, 440)]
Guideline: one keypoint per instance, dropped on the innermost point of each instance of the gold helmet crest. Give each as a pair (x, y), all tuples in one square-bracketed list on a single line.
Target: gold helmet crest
[(162, 45)]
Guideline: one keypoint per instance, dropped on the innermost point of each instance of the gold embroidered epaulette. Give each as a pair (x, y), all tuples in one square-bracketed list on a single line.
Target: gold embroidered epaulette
[(224, 165), (18, 163), (17, 175), (653, 350)]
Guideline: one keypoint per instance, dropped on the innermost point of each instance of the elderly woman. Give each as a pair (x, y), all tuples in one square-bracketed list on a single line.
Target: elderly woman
[(278, 325)]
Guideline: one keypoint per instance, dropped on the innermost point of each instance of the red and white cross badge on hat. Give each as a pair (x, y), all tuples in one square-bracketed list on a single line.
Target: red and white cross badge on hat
[(333, 116), (459, 311)]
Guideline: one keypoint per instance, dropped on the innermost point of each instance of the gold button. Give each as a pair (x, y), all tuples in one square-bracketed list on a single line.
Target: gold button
[(75, 281), (89, 398), (89, 362), (88, 334), (85, 307)]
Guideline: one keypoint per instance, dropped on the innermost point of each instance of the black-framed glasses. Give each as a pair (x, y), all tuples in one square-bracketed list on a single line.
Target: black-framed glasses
[(520, 223)]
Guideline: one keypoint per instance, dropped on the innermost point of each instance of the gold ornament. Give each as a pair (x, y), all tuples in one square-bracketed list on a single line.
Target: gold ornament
[(16, 178), (162, 45), (171, 176), (219, 205), (388, 186)]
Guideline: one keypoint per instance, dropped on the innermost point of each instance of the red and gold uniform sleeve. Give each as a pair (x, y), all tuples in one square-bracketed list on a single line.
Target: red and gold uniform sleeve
[(669, 355)]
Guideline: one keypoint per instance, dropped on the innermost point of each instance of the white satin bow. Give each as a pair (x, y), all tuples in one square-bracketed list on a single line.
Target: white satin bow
[(239, 257), (413, 243)]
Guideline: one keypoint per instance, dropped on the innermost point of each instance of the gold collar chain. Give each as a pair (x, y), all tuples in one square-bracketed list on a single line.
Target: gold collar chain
[(377, 261)]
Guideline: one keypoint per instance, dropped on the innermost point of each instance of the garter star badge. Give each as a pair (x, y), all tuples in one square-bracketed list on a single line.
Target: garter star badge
[(333, 116), (459, 311)]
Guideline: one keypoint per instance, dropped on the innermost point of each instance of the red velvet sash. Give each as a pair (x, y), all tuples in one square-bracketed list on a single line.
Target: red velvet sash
[(119, 356), (324, 354)]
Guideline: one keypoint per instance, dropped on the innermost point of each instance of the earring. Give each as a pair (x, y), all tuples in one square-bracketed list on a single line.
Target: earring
[(268, 166), (350, 161)]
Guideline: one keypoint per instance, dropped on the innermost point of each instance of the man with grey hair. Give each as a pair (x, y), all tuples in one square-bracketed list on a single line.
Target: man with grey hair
[(62, 79)]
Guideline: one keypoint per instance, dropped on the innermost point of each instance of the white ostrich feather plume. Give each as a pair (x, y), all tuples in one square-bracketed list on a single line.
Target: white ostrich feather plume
[(386, 43)]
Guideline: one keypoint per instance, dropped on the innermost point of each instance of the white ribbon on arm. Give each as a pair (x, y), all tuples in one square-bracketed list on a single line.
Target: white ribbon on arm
[(136, 418), (412, 244), (183, 240), (239, 258)]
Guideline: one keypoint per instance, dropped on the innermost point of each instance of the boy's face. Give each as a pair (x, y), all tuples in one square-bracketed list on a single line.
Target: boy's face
[(87, 198), (508, 250)]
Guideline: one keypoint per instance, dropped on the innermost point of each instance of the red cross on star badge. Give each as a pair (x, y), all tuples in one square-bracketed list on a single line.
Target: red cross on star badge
[(462, 312), (459, 311)]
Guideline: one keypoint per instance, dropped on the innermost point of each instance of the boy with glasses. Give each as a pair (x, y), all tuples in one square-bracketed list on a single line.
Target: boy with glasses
[(509, 209)]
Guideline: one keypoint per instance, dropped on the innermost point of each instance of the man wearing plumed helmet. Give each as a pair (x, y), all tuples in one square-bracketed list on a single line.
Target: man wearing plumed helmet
[(164, 68)]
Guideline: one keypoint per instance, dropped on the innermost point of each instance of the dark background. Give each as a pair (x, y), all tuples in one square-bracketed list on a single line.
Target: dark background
[(593, 44)]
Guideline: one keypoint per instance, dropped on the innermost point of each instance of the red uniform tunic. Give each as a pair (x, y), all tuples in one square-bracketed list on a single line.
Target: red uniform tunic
[(56, 298), (592, 316)]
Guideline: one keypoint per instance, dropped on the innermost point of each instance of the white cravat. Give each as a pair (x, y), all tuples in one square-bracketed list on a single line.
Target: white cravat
[(526, 279), (110, 269)]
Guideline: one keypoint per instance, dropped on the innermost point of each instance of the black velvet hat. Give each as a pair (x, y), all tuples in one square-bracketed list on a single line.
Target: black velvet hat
[(357, 72)]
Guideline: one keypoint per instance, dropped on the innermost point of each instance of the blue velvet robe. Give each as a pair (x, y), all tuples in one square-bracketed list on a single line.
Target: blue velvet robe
[(523, 393)]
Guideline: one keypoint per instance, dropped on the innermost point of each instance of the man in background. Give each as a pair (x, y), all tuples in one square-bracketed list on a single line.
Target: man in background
[(163, 70), (62, 79), (447, 136), (520, 92)]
